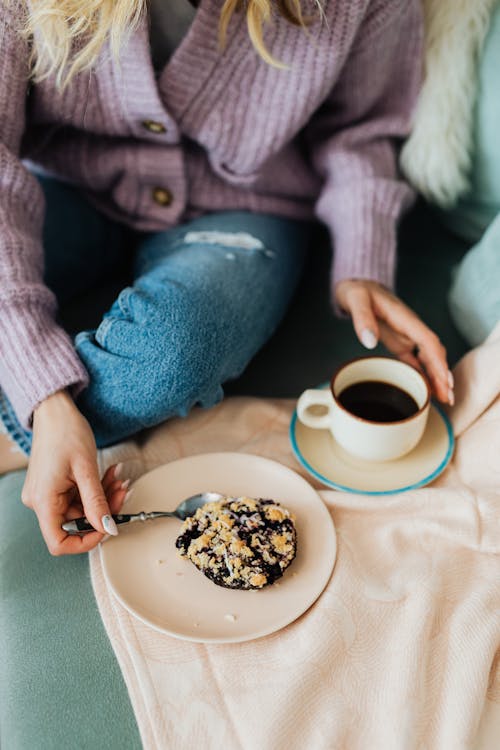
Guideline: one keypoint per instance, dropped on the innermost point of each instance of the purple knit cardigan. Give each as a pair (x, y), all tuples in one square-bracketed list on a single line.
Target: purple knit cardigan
[(315, 139)]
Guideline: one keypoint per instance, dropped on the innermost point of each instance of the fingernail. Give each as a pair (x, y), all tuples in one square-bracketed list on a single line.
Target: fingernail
[(125, 484), (451, 380), (451, 397), (109, 525), (368, 339), (128, 496), (118, 470)]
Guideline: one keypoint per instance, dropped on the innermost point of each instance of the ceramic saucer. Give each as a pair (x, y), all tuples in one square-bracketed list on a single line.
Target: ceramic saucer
[(325, 460)]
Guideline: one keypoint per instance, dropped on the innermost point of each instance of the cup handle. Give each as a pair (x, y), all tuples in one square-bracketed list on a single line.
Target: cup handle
[(314, 397)]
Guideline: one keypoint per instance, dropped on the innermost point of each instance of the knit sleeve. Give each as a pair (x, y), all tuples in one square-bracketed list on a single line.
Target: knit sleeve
[(353, 141), (37, 357)]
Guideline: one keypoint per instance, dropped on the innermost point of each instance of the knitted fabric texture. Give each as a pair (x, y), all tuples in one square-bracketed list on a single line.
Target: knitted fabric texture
[(317, 139)]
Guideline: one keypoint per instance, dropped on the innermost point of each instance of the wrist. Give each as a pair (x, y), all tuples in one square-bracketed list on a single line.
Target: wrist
[(57, 403)]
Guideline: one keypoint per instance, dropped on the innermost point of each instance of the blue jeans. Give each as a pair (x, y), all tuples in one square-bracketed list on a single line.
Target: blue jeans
[(205, 297)]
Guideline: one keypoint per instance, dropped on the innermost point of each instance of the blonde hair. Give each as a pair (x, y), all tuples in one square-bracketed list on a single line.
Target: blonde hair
[(69, 34)]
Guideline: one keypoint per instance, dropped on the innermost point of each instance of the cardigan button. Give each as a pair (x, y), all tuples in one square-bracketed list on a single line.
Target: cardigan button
[(162, 196), (154, 127)]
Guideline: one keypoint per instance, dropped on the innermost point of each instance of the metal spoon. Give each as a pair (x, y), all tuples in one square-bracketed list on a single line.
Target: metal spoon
[(187, 508)]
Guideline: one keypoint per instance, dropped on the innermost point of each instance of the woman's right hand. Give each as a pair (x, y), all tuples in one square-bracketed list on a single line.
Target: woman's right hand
[(63, 481), (377, 314)]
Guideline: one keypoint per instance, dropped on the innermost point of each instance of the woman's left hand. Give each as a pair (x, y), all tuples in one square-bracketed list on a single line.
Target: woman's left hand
[(378, 315)]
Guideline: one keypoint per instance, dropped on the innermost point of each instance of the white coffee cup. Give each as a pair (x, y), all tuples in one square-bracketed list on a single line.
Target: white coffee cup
[(365, 438)]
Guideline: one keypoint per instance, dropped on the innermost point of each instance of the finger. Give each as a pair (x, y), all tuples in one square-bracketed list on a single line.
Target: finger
[(395, 342), (108, 478), (58, 541), (75, 510), (112, 474), (359, 305), (400, 345), (411, 360), (93, 497), (116, 500), (116, 486), (432, 354), (436, 367)]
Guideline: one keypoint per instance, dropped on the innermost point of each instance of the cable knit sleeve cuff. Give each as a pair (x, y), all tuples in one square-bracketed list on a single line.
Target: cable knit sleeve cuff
[(37, 358), (363, 226), (365, 248)]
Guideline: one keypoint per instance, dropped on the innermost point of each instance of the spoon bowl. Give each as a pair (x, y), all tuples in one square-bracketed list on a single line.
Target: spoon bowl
[(186, 508)]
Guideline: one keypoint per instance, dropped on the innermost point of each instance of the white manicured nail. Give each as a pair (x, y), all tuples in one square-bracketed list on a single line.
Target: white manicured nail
[(128, 496), (368, 339), (125, 484), (451, 380), (109, 525), (451, 397), (118, 470)]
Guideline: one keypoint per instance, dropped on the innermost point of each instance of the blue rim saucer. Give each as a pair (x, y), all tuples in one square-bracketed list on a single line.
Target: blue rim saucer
[(326, 461)]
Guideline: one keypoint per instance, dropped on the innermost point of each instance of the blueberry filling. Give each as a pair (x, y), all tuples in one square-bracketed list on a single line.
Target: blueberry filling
[(240, 543)]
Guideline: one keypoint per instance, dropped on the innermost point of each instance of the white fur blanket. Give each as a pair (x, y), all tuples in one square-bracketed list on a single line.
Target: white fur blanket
[(402, 649), (437, 157)]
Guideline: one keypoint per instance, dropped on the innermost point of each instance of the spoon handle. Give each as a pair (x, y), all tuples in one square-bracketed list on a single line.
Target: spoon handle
[(81, 525)]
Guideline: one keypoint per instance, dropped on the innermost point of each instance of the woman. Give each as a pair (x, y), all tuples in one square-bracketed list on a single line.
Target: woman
[(204, 152)]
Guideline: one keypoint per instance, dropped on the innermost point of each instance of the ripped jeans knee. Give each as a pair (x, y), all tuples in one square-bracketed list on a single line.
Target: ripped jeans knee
[(206, 297)]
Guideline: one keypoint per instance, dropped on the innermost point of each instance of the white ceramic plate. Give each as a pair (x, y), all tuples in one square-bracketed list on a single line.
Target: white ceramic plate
[(329, 463), (168, 593)]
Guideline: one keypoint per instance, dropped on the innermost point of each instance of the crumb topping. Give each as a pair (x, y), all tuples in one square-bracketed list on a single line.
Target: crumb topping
[(239, 543)]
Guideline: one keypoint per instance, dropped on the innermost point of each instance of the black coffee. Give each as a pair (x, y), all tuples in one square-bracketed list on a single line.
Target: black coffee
[(377, 401)]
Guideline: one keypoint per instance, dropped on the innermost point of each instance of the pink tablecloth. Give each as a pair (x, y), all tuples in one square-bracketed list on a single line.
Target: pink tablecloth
[(400, 652)]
